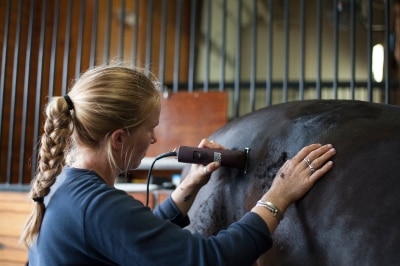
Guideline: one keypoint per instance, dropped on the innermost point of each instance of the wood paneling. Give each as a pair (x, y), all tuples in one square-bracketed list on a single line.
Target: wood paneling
[(14, 211), (188, 117)]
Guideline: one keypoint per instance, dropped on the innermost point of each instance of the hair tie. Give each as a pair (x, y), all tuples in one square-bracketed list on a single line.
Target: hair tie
[(69, 102), (38, 199)]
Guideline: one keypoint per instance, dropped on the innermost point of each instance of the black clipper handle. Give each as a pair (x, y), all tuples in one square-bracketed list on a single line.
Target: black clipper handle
[(227, 158)]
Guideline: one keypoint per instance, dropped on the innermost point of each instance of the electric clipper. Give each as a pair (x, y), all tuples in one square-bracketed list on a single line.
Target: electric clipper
[(227, 158)]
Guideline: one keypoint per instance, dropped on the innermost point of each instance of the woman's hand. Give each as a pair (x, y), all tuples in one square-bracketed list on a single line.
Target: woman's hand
[(295, 178), (198, 176)]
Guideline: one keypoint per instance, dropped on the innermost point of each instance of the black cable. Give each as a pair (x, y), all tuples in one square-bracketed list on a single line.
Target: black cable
[(167, 154)]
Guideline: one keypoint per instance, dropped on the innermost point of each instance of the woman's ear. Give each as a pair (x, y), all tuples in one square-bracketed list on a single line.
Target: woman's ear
[(118, 138)]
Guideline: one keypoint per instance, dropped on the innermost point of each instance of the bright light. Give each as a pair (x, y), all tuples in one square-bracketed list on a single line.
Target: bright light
[(377, 62)]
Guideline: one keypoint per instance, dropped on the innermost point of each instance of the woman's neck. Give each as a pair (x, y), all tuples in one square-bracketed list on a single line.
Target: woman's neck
[(97, 162)]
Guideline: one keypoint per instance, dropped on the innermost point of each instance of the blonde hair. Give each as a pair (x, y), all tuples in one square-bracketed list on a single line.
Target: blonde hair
[(105, 98)]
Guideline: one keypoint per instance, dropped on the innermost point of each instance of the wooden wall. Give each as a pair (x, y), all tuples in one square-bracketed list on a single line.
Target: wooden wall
[(188, 117), (14, 210)]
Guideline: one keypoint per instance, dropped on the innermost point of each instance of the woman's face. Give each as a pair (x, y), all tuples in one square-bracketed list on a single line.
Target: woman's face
[(144, 136)]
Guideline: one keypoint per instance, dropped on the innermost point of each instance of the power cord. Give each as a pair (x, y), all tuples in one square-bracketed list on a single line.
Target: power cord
[(167, 154)]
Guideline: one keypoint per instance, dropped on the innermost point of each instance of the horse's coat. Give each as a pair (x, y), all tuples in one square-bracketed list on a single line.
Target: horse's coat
[(350, 217)]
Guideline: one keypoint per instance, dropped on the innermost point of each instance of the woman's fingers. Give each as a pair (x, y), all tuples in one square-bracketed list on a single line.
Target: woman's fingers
[(205, 143), (299, 174), (314, 157)]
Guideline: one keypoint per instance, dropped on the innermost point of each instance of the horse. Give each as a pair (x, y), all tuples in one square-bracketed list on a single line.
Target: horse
[(350, 217)]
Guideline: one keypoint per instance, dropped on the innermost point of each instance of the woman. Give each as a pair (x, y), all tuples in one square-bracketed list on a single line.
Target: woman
[(103, 128)]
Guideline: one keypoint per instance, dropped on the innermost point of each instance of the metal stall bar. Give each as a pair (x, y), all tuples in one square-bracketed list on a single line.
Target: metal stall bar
[(26, 95), (193, 12), (177, 57), (66, 49), (369, 49), (149, 35), (135, 34), (253, 62), (107, 39), (93, 42), (80, 39), (223, 48), (286, 65), (14, 92), (353, 50), (302, 50), (236, 92), (161, 70), (4, 63), (208, 41), (121, 31), (39, 78), (319, 49), (268, 88), (387, 50), (336, 49)]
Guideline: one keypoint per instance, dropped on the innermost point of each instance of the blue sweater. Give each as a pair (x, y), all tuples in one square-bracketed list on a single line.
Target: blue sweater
[(88, 222)]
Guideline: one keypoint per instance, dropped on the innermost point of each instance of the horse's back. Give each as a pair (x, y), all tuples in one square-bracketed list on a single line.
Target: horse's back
[(351, 215)]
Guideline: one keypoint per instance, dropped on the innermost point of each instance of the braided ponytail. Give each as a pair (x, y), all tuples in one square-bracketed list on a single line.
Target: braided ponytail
[(58, 128)]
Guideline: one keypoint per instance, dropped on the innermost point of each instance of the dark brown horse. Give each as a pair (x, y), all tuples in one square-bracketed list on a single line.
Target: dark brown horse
[(350, 217)]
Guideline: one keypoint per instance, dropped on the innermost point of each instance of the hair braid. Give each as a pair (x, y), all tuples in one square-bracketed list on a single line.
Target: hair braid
[(55, 139)]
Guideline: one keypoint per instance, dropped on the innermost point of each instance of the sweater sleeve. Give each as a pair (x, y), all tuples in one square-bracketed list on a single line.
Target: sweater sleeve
[(168, 210), (126, 232)]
